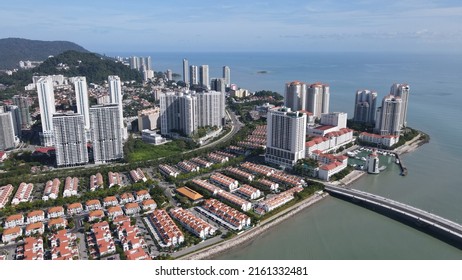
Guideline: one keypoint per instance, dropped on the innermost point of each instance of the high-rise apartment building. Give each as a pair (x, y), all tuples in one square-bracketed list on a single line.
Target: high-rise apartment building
[(402, 91), (188, 114), (46, 100), (16, 116), (7, 138), (186, 71), (106, 133), (204, 76), (169, 74), (313, 98), (210, 108), (149, 119), (227, 75), (70, 139), (194, 75), (23, 104), (389, 116), (295, 96), (218, 84), (81, 97), (365, 106), (286, 131), (337, 119), (116, 97)]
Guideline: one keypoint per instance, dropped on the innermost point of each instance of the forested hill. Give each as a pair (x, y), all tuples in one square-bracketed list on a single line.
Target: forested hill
[(72, 63), (12, 50)]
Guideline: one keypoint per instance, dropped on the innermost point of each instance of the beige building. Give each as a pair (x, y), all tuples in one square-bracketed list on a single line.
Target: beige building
[(149, 119)]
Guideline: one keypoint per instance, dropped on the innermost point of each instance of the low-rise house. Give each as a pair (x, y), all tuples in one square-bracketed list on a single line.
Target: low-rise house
[(224, 182), (114, 212), (224, 214), (267, 185), (32, 249), (110, 201), (71, 186), (35, 216), (14, 221), (201, 162), (138, 175), (114, 179), (10, 234), (93, 204), (35, 228), (96, 215), (142, 195), (384, 140), (126, 198), (165, 228), (278, 200), (237, 173), (56, 212), (195, 225), (132, 208), (63, 246), (5, 194), (74, 208), (216, 158), (188, 166), (23, 194), (137, 254), (234, 200), (96, 182), (258, 169), (101, 239), (57, 223), (51, 190), (192, 195), (129, 236), (168, 171), (249, 192), (148, 205), (206, 185), (290, 180)]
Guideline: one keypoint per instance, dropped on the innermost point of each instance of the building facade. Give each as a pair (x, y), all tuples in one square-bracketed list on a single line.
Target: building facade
[(7, 137), (46, 100), (365, 106), (70, 139)]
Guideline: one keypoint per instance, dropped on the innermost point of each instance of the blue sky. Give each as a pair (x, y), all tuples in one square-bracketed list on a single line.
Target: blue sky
[(238, 25)]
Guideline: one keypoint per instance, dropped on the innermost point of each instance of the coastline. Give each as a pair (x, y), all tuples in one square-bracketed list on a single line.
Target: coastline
[(214, 250)]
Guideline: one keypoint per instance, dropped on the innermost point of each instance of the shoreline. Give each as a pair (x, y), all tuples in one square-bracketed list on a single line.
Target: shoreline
[(219, 248)]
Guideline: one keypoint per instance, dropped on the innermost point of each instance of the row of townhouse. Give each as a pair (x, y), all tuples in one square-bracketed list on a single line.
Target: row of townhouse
[(267, 185), (235, 200), (100, 241), (32, 249), (138, 175), (217, 158), (224, 214), (276, 201), (249, 145), (5, 194), (187, 166), (10, 234), (224, 182), (239, 174), (166, 228), (384, 140), (329, 141), (201, 162), (168, 170), (131, 240), (206, 185), (23, 193), (96, 182), (195, 225), (237, 150), (71, 187), (330, 164), (114, 179), (258, 169), (51, 190), (284, 178), (33, 217), (225, 154), (248, 192), (63, 246)]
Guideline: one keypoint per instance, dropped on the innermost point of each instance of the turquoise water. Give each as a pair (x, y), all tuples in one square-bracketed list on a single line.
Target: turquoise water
[(334, 229)]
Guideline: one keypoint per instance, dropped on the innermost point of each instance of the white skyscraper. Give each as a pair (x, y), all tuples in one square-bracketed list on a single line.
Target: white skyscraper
[(70, 139), (390, 116), (295, 96), (317, 101), (81, 96), (194, 75), (227, 75), (116, 97), (186, 71), (210, 108), (402, 91), (188, 114), (286, 131), (46, 99), (7, 138), (365, 106), (204, 76), (106, 133)]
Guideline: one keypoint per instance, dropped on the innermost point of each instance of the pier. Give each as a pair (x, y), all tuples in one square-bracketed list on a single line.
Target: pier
[(439, 227), (401, 165)]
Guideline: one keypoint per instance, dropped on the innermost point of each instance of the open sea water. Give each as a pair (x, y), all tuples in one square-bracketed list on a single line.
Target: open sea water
[(335, 229)]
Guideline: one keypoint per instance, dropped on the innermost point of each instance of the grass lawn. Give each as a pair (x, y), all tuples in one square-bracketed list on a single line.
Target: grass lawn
[(143, 151)]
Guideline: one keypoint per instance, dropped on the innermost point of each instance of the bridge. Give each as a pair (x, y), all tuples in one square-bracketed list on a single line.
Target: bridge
[(439, 227)]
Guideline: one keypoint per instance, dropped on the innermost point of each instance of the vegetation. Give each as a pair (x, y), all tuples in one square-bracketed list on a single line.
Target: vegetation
[(340, 175), (137, 150), (13, 50), (268, 93), (359, 126)]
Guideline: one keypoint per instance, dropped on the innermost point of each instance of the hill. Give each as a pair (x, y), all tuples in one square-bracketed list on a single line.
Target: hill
[(72, 63), (12, 50)]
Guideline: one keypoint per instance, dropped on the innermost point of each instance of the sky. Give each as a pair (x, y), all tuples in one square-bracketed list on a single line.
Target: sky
[(240, 25)]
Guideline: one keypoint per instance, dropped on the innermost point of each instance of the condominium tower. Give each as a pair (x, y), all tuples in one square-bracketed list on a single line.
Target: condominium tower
[(81, 96), (70, 139), (7, 139), (313, 98), (227, 75), (389, 116), (106, 133), (365, 106), (115, 97), (286, 131), (46, 100), (402, 91), (23, 104), (194, 75), (204, 76), (186, 71)]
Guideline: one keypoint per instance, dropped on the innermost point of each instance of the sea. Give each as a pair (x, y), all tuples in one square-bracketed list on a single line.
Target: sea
[(339, 230)]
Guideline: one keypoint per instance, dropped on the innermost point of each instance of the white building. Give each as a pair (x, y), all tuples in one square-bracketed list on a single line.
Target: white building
[(193, 75), (337, 119), (295, 96), (81, 97), (285, 136), (70, 139), (7, 138), (372, 163), (384, 140), (204, 76), (106, 133), (317, 101), (227, 75), (149, 119), (390, 116), (185, 71), (365, 106), (116, 97), (46, 98), (402, 91)]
